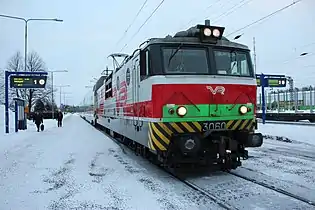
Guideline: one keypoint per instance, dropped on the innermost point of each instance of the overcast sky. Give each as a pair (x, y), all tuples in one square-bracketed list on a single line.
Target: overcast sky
[(91, 30)]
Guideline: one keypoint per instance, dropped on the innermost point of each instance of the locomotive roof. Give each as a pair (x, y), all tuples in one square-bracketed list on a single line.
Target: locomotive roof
[(191, 36), (192, 40)]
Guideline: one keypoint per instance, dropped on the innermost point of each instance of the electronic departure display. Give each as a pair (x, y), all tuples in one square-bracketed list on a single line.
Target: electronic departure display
[(28, 81), (272, 81)]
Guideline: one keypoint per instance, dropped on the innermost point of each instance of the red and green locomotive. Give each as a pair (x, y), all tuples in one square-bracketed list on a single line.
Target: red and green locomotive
[(185, 99)]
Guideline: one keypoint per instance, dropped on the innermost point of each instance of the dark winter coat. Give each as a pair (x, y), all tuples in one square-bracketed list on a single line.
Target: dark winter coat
[(59, 116), (38, 119)]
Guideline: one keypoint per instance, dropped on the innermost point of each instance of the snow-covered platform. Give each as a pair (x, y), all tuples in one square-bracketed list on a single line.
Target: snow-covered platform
[(77, 167)]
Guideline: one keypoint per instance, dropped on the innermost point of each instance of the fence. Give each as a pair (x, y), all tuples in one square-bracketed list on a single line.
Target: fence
[(302, 99)]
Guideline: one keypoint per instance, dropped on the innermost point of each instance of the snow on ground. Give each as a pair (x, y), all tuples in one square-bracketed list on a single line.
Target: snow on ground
[(77, 167), (12, 138), (284, 163), (286, 158), (298, 133)]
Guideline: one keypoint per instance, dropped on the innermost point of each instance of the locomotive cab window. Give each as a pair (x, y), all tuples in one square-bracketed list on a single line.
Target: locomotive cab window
[(233, 63), (178, 60), (144, 64)]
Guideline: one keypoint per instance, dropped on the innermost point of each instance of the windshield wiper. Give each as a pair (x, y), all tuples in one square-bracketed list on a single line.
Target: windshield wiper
[(173, 54)]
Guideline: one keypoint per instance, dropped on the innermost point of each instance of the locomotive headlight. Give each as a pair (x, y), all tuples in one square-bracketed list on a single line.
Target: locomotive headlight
[(207, 32), (243, 109), (181, 111), (216, 33)]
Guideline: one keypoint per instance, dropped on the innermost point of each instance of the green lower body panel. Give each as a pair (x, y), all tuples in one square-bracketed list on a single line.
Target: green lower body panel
[(208, 112)]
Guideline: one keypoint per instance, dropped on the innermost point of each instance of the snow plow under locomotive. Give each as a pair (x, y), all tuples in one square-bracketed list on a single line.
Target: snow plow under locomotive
[(186, 99)]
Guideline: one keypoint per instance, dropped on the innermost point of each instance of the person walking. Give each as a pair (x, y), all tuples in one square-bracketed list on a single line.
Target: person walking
[(38, 119), (59, 118)]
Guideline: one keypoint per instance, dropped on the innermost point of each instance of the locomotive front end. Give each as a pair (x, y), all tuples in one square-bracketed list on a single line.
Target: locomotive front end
[(208, 100), (206, 134)]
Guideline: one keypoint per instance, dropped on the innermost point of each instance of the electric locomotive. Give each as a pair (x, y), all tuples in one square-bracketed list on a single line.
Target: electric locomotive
[(183, 99)]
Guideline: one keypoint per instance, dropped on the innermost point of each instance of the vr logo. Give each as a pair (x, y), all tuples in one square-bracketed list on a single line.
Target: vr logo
[(218, 89)]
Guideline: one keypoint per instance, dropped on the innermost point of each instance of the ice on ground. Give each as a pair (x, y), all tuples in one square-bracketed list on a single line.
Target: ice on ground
[(77, 167)]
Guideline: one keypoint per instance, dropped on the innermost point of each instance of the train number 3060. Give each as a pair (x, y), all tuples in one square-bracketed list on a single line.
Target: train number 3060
[(213, 126)]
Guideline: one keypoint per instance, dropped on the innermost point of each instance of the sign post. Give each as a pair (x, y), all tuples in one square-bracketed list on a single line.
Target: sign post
[(268, 80), (21, 80), (19, 114)]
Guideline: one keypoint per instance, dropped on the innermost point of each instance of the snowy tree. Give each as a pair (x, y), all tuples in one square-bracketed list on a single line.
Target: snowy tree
[(34, 64), (15, 64)]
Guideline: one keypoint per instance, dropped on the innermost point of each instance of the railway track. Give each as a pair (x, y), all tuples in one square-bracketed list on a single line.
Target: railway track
[(279, 190), (215, 197), (211, 196), (189, 184)]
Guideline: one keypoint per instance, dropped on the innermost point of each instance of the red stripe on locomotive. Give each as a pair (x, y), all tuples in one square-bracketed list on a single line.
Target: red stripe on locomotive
[(188, 94)]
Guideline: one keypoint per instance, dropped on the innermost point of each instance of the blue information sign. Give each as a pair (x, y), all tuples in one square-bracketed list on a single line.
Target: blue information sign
[(267, 80)]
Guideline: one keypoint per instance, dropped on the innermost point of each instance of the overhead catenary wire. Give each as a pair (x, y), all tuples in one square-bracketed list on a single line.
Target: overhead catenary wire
[(132, 22), (226, 13), (266, 17), (191, 20), (307, 45), (231, 10), (152, 13), (288, 60)]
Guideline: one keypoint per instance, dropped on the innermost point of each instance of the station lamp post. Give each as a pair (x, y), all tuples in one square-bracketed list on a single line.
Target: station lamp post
[(60, 87), (64, 96), (26, 21), (52, 91)]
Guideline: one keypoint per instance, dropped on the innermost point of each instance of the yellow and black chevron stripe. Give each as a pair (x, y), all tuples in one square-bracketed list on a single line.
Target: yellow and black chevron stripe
[(241, 124), (160, 133)]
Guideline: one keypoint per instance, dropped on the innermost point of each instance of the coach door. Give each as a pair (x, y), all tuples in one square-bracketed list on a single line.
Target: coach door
[(136, 91)]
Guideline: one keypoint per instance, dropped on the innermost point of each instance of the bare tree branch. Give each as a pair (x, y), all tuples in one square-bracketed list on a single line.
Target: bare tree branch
[(14, 64), (34, 64)]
